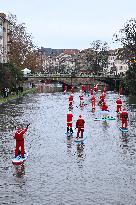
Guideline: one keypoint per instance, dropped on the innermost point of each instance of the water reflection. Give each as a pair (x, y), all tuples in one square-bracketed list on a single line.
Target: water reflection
[(80, 154), (80, 149), (69, 145), (19, 171), (124, 140), (105, 125)]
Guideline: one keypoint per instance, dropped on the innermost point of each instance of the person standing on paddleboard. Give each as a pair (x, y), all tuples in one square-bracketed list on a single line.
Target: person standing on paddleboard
[(124, 118), (69, 122), (80, 126), (119, 104), (20, 140), (70, 101), (81, 99), (93, 99), (95, 88), (102, 98)]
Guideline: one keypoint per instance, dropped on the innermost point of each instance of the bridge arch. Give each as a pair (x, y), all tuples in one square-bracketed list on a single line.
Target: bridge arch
[(76, 80)]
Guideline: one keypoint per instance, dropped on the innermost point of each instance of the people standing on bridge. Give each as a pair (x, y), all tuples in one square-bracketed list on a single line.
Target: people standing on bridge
[(19, 137), (69, 122), (104, 107), (80, 126), (119, 104), (71, 101), (93, 100), (124, 118)]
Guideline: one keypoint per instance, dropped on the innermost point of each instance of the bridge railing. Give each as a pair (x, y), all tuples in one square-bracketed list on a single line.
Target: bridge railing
[(44, 75)]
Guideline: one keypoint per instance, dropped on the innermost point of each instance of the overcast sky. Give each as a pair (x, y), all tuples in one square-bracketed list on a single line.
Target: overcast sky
[(71, 23)]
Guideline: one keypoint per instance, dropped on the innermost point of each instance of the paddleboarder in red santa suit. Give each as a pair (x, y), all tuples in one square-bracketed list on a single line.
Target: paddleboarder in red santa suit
[(80, 126), (19, 137)]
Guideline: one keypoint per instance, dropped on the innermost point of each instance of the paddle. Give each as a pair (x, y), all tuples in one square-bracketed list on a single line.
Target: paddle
[(81, 106)]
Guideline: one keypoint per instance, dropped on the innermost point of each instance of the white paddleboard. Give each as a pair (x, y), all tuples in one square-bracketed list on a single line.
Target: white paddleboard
[(78, 140), (123, 129), (19, 160)]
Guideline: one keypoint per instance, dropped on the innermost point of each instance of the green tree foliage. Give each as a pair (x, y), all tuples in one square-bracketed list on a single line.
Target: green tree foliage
[(10, 76), (130, 80), (127, 37)]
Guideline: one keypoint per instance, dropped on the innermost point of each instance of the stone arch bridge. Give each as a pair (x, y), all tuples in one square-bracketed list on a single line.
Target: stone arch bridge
[(76, 80)]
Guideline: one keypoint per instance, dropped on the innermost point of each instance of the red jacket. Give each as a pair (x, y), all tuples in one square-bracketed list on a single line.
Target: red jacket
[(70, 98), (119, 102), (69, 117), (95, 88), (124, 115), (104, 107), (83, 88), (19, 134), (102, 97), (80, 123), (93, 98)]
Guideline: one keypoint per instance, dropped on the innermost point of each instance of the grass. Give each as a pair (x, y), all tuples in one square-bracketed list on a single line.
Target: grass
[(14, 96)]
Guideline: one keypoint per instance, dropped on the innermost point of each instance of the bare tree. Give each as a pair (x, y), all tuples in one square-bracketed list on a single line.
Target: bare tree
[(99, 55), (127, 37), (21, 46)]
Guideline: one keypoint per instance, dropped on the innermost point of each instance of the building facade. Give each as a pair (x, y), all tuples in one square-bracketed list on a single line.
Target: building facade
[(4, 38), (115, 65)]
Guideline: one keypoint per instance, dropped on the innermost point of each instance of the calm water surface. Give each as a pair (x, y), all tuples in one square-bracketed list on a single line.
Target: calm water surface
[(101, 171)]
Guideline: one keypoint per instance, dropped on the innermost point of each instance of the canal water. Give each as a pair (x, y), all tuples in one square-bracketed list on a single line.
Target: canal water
[(101, 171)]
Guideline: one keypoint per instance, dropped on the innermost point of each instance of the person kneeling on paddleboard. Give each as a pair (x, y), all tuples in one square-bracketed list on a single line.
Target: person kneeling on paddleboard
[(104, 107), (80, 126), (105, 110), (20, 140)]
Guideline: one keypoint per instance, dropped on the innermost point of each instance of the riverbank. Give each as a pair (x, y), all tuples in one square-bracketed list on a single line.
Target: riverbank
[(16, 96)]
